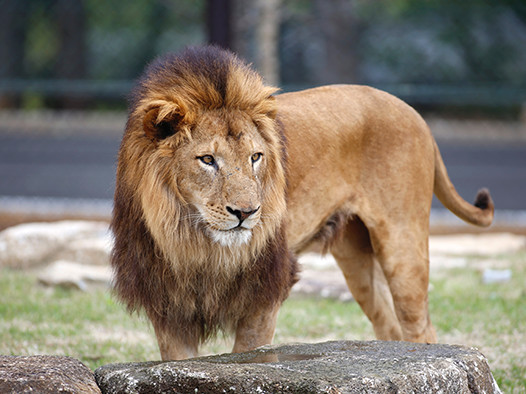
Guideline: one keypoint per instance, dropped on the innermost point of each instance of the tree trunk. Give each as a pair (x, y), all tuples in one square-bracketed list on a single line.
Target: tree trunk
[(339, 32), (267, 38), (218, 22), (13, 21), (72, 57)]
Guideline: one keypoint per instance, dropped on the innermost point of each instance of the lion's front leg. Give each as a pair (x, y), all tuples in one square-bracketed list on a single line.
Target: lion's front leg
[(172, 345), (256, 329), (174, 348)]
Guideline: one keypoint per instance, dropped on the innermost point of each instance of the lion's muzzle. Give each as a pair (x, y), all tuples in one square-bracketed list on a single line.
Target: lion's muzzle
[(241, 214)]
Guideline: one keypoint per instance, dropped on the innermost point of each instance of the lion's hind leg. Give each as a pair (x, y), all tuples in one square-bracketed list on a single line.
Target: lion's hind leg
[(404, 258), (365, 279)]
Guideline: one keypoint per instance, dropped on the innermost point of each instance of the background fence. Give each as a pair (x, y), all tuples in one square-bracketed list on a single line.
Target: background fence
[(438, 53)]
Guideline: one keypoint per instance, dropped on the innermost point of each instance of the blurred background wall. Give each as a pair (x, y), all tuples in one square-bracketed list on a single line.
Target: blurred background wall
[(436, 53)]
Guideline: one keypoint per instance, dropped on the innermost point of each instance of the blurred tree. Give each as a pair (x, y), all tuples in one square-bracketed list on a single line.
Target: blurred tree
[(71, 62), (255, 35), (42, 38), (300, 47), (478, 32), (218, 22), (267, 37), (46, 45), (71, 22), (124, 36), (12, 41), (340, 31)]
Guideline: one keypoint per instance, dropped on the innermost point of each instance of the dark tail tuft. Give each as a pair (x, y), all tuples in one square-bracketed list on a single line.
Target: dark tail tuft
[(483, 199)]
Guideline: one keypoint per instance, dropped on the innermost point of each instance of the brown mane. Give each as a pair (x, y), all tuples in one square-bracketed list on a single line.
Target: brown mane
[(163, 264)]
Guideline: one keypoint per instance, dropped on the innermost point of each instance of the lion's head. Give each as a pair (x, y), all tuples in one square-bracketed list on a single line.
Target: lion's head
[(200, 196), (203, 159), (222, 178)]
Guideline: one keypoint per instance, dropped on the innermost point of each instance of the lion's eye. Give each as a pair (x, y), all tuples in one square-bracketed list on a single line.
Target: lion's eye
[(256, 156), (207, 159)]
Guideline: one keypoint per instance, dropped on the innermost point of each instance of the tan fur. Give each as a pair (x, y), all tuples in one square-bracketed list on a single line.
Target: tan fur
[(349, 166), (362, 153)]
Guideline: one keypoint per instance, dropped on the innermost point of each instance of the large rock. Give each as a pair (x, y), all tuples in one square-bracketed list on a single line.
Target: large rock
[(332, 367), (73, 254), (36, 244), (45, 374)]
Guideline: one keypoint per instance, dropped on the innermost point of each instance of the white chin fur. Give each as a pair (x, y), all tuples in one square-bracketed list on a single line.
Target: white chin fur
[(231, 238)]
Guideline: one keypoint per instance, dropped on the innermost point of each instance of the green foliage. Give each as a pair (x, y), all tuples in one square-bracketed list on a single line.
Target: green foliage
[(384, 43), (123, 37), (443, 41), (42, 43)]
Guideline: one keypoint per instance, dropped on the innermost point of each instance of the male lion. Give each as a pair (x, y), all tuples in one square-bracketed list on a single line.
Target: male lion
[(220, 184)]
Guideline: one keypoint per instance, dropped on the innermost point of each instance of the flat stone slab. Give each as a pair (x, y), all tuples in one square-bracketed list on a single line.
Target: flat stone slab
[(331, 367), (45, 374)]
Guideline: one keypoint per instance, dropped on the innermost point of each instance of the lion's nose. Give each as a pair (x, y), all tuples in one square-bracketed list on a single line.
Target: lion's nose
[(241, 214)]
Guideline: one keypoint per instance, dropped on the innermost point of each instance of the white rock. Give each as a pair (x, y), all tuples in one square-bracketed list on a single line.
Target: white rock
[(93, 250), (476, 244), (33, 244), (74, 275), (496, 276), (317, 261)]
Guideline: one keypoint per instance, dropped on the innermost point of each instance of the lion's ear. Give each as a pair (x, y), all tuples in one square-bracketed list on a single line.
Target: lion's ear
[(159, 124)]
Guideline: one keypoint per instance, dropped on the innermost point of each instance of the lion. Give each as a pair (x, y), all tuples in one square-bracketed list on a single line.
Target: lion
[(222, 182)]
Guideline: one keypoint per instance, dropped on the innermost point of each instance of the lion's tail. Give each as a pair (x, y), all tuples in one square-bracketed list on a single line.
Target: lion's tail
[(480, 213)]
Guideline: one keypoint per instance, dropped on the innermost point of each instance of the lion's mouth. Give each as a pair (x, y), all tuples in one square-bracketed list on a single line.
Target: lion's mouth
[(235, 236), (240, 227), (236, 229)]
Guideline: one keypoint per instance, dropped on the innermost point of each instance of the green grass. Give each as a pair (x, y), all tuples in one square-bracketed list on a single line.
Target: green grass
[(88, 326), (95, 329), (490, 317)]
